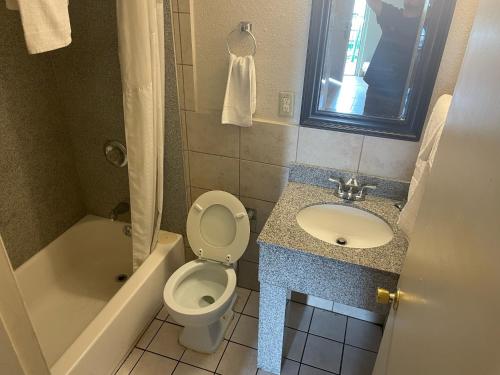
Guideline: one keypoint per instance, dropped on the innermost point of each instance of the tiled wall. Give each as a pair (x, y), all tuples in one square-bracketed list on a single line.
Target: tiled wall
[(89, 85), (252, 162), (40, 195)]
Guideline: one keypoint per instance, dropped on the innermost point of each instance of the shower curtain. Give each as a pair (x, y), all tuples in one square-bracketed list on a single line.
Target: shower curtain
[(142, 61)]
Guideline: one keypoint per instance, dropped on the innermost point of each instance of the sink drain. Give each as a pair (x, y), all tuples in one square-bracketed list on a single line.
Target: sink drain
[(121, 278), (341, 241), (208, 299)]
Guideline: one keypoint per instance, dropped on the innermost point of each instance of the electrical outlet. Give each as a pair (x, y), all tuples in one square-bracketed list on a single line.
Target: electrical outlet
[(286, 103)]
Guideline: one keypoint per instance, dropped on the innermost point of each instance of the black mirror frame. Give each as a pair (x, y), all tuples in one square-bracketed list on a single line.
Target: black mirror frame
[(438, 21)]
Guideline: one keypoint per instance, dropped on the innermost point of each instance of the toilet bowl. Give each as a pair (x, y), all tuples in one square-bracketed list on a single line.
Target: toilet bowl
[(200, 294)]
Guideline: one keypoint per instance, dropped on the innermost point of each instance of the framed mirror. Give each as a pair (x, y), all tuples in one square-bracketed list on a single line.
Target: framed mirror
[(372, 64)]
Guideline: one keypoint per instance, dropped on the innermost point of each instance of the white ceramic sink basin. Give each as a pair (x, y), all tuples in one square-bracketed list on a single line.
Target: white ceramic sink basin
[(345, 226)]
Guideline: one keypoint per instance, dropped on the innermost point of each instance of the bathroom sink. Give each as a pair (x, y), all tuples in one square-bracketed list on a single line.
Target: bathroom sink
[(345, 226)]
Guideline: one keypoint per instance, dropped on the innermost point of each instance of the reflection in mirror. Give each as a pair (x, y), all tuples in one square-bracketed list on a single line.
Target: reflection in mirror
[(371, 48)]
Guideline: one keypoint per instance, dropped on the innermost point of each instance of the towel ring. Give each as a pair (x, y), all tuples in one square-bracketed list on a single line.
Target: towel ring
[(245, 27)]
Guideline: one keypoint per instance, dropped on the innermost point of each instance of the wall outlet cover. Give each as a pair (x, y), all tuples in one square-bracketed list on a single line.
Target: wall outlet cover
[(286, 103)]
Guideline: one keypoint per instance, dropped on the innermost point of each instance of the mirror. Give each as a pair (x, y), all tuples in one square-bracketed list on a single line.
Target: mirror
[(372, 64)]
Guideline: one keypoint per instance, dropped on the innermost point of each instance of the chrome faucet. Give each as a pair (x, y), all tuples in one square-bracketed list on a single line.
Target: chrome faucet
[(351, 190), (120, 209)]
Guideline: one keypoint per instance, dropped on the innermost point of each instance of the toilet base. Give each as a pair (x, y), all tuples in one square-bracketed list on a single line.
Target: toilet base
[(206, 339)]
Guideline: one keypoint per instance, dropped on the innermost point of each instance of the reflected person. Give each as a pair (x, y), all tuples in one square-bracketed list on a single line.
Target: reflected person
[(388, 71)]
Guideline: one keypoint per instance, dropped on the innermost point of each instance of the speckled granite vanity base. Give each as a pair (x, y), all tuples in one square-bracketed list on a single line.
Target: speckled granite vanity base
[(291, 259)]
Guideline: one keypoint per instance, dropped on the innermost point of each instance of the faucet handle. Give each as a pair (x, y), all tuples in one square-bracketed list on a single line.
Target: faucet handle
[(362, 191), (339, 182), (340, 188)]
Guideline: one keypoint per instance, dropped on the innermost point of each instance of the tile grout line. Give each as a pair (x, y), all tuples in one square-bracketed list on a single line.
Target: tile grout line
[(134, 366), (343, 347)]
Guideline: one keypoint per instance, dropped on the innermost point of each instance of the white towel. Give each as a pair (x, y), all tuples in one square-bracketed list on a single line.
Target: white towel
[(45, 23), (240, 100), (423, 166)]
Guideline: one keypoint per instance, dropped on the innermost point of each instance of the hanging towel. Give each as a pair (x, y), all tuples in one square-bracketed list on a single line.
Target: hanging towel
[(45, 23), (241, 99), (424, 162)]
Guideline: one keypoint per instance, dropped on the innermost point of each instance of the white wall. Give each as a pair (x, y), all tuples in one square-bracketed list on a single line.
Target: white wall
[(281, 28)]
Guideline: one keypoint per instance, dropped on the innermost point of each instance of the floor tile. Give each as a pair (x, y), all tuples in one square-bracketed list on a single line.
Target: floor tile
[(241, 299), (162, 314), (130, 362), (293, 344), (232, 326), (252, 306), (323, 353), (308, 370), (148, 335), (287, 368), (238, 360), (170, 319), (183, 369), (205, 361), (363, 335), (246, 331), (357, 361), (328, 324), (152, 364), (165, 341), (298, 316)]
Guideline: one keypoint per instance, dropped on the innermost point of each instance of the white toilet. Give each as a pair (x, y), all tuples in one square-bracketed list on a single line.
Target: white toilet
[(200, 294)]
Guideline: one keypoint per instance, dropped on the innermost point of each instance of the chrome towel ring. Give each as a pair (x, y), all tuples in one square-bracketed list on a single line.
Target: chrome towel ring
[(245, 27)]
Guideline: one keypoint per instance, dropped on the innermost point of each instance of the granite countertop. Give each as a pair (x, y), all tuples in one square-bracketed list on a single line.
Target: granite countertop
[(283, 230)]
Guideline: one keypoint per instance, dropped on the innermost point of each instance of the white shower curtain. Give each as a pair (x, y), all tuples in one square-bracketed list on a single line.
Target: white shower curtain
[(142, 61)]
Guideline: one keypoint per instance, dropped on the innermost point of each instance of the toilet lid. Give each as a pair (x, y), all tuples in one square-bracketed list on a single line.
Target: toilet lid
[(218, 227)]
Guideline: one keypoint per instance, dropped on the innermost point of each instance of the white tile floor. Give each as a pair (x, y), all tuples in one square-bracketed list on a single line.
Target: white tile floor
[(316, 342)]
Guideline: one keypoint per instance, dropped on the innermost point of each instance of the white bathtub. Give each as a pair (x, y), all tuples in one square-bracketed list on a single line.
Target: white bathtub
[(85, 320)]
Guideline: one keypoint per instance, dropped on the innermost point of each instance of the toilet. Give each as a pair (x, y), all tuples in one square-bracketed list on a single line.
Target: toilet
[(200, 295)]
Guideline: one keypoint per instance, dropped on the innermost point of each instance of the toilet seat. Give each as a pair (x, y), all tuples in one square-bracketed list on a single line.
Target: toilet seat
[(218, 228)]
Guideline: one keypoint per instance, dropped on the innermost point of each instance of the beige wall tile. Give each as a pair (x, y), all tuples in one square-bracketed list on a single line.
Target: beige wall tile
[(180, 86), (252, 252), (186, 45), (248, 275), (262, 211), (207, 134), (262, 181), (196, 192), (271, 143), (184, 130), (189, 92), (185, 157), (214, 172), (388, 158), (177, 38), (175, 6), (329, 149), (185, 6)]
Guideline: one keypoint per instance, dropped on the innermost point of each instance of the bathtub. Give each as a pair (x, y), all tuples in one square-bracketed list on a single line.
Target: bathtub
[(85, 315)]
